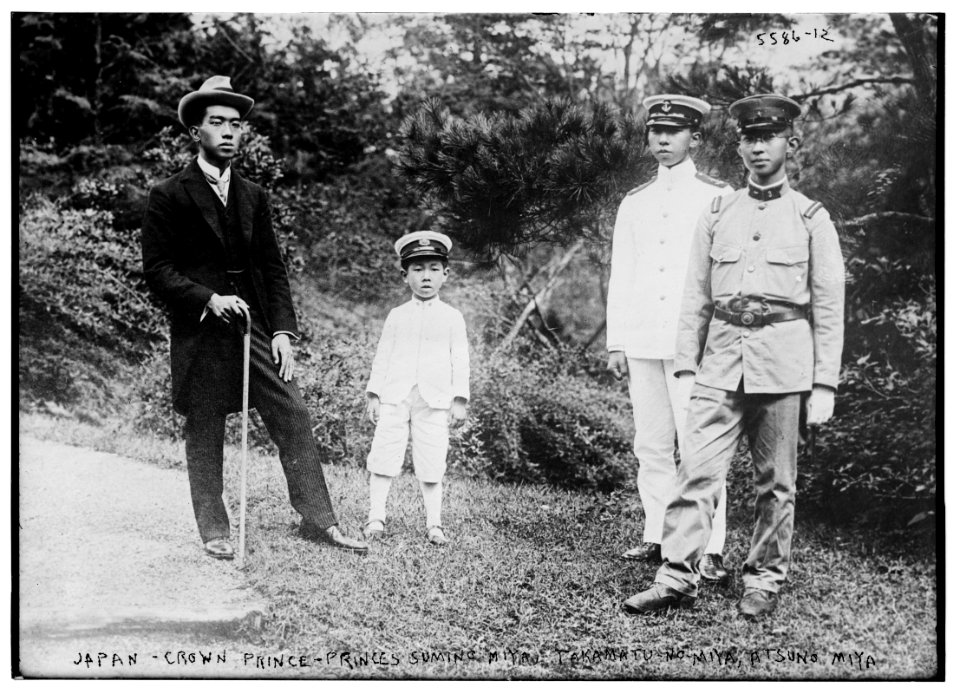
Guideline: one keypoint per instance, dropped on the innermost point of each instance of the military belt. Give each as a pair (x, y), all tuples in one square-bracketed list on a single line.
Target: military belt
[(756, 319)]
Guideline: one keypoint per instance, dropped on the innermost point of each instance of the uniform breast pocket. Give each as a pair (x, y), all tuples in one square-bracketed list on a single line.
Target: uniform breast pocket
[(726, 270), (787, 271)]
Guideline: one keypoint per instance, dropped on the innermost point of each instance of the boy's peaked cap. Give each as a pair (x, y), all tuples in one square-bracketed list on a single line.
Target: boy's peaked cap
[(423, 244)]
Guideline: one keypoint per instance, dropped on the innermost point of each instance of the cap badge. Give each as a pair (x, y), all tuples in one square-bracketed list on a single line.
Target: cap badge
[(666, 106), (424, 242)]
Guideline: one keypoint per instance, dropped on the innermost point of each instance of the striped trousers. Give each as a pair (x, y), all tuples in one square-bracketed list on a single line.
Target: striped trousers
[(285, 415)]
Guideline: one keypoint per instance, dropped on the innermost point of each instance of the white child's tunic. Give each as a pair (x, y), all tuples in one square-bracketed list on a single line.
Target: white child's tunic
[(422, 364)]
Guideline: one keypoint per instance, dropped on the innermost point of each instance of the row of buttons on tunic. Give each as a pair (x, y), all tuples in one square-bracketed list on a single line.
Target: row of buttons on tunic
[(756, 236), (663, 241)]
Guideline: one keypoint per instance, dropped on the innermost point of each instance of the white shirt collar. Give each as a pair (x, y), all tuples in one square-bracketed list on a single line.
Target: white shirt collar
[(685, 169), (425, 304), (213, 171), (775, 184)]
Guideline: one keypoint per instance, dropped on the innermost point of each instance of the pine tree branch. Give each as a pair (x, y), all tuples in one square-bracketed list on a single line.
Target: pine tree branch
[(538, 333), (868, 219), (855, 83)]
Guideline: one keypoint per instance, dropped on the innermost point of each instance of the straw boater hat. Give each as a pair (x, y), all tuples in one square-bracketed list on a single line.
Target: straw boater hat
[(215, 91)]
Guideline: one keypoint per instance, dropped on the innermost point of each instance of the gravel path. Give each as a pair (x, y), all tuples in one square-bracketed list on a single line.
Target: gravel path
[(110, 562)]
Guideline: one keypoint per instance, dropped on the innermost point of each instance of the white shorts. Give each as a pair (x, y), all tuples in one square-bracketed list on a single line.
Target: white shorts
[(411, 419)]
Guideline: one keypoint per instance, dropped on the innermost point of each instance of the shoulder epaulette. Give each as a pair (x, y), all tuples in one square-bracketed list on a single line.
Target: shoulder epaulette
[(711, 180), (715, 205), (812, 210), (642, 186)]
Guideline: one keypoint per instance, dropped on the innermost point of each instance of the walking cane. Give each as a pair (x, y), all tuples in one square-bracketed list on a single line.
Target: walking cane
[(243, 433)]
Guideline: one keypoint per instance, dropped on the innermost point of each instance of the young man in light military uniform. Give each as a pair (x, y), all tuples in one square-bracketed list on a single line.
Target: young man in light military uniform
[(761, 330), (651, 247)]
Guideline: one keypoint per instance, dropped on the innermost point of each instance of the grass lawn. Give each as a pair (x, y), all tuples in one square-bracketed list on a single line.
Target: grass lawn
[(531, 586)]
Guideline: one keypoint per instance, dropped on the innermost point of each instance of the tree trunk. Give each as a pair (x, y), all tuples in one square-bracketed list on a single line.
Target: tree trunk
[(97, 89), (553, 276), (593, 338), (913, 37)]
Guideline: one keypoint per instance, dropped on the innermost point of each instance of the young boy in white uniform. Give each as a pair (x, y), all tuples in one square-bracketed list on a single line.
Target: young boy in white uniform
[(419, 383)]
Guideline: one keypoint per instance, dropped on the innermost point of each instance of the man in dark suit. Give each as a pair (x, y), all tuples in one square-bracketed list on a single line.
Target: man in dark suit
[(209, 251)]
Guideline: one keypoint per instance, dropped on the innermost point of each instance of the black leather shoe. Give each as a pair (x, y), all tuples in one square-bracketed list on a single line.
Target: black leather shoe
[(656, 598), (712, 568), (648, 551), (333, 537), (219, 548), (757, 602)]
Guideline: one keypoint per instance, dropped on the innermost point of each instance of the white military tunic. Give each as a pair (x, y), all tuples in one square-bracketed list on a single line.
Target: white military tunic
[(423, 344), (651, 248), (421, 365)]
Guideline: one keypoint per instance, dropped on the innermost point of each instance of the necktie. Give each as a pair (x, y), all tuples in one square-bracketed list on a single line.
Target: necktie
[(220, 184)]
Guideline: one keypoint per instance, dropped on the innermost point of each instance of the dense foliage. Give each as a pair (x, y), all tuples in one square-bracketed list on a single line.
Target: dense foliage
[(110, 78)]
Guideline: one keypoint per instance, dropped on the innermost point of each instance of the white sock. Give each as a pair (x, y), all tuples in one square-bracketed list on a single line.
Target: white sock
[(379, 489), (432, 500)]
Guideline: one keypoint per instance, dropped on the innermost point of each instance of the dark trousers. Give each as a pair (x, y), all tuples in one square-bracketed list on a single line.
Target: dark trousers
[(285, 415)]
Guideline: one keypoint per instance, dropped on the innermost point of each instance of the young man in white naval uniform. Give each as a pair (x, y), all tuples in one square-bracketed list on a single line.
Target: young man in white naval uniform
[(651, 248)]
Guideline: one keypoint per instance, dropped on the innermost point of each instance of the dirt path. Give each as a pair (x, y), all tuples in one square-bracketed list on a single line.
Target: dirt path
[(111, 563)]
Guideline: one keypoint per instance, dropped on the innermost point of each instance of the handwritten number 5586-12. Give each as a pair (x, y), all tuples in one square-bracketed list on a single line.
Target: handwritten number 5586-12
[(774, 38)]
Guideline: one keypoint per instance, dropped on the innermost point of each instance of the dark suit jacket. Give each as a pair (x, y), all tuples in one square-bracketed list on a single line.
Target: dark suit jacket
[(185, 262)]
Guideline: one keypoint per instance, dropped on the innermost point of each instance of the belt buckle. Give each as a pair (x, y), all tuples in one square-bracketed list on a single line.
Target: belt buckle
[(747, 318)]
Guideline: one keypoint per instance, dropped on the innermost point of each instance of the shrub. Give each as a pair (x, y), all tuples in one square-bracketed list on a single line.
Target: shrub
[(153, 407), (83, 307), (332, 373), (539, 419), (347, 225), (878, 457)]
